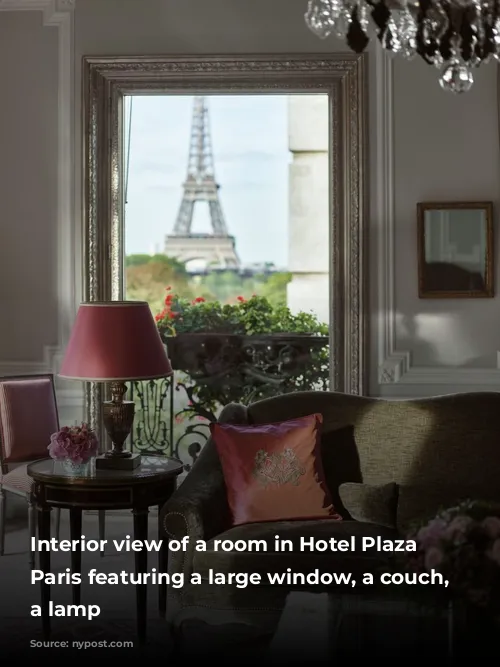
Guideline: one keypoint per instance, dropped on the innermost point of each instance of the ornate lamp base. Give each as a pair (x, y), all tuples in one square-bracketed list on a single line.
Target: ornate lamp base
[(118, 420)]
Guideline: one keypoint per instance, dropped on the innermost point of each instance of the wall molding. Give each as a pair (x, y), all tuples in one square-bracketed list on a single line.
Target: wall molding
[(49, 7), (58, 14), (52, 357), (395, 365)]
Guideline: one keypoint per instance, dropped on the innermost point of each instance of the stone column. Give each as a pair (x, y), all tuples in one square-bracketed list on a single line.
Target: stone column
[(309, 225)]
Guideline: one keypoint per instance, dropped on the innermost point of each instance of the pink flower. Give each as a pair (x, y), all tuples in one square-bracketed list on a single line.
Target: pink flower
[(433, 558), (77, 443), (457, 530), (491, 526), (431, 534), (463, 543)]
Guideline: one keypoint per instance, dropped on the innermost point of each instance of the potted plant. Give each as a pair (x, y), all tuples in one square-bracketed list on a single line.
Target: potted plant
[(211, 340), (74, 446), (461, 545)]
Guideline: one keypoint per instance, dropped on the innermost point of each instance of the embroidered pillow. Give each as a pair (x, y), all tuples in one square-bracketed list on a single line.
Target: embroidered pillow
[(273, 472)]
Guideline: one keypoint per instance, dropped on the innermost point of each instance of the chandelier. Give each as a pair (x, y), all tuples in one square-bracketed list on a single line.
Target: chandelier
[(453, 35)]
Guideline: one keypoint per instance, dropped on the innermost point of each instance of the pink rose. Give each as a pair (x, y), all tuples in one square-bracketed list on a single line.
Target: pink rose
[(457, 530), (433, 558), (78, 444), (431, 534)]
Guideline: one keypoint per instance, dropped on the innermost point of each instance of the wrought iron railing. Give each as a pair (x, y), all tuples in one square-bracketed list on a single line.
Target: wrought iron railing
[(160, 425), (173, 414)]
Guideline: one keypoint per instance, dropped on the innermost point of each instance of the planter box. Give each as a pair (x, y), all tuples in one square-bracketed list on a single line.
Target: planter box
[(220, 356)]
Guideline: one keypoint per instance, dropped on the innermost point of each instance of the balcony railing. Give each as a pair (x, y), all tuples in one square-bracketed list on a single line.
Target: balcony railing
[(212, 370)]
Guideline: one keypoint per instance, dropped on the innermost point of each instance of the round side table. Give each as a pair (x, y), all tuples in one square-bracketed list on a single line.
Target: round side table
[(151, 483)]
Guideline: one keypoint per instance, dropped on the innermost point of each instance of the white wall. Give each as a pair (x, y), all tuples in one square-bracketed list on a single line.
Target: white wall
[(28, 187), (443, 148), (424, 144)]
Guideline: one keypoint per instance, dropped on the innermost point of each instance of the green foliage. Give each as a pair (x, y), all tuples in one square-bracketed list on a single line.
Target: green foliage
[(224, 286), (137, 260), (273, 287), (147, 275), (249, 317), (146, 280), (140, 260)]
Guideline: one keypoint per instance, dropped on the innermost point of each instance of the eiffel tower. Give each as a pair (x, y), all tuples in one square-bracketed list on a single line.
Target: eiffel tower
[(216, 250)]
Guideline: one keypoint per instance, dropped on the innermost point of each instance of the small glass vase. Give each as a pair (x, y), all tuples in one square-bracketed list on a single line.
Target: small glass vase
[(75, 469)]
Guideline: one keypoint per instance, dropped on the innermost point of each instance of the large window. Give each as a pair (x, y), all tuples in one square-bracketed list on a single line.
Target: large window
[(229, 194), (227, 204)]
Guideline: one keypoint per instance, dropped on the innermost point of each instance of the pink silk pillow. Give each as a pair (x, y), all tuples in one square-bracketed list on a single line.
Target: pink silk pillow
[(273, 472), (28, 417)]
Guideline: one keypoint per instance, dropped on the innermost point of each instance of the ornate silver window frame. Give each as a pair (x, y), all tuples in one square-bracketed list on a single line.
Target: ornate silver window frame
[(342, 76)]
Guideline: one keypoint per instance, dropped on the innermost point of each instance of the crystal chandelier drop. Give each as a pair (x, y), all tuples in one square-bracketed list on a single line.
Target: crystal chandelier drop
[(453, 35)]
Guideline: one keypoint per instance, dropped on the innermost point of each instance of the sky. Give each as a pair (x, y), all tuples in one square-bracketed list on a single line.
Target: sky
[(250, 146)]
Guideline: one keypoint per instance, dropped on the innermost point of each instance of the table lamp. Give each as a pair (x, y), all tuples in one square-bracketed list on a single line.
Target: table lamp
[(115, 342)]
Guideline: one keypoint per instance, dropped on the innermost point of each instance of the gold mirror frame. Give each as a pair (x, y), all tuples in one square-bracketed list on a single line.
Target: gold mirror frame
[(342, 76), (488, 291)]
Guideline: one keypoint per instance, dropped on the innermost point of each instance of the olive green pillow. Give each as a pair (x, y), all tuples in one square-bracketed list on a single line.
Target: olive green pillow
[(371, 503)]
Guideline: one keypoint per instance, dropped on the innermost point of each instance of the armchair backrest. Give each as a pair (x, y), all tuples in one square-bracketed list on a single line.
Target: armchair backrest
[(28, 417)]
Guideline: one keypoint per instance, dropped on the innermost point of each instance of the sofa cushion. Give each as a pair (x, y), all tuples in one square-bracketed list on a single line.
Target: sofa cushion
[(371, 503), (274, 472), (270, 560), (431, 442)]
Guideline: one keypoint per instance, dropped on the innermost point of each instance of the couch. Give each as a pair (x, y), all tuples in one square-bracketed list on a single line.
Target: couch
[(429, 453)]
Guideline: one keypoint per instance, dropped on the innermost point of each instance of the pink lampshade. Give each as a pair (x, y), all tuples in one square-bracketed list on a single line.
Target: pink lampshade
[(115, 341)]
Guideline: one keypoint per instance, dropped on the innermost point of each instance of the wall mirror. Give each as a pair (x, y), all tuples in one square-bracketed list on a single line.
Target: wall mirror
[(221, 179), (455, 250)]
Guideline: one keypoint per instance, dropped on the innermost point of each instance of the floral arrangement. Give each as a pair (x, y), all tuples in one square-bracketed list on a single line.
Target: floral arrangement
[(74, 443), (254, 316), (463, 544), (246, 317)]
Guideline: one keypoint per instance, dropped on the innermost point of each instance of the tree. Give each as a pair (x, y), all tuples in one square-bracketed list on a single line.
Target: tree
[(225, 286), (147, 276), (273, 287), (147, 281), (139, 260)]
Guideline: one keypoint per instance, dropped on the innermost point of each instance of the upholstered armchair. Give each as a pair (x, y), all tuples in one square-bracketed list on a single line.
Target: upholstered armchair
[(28, 417)]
